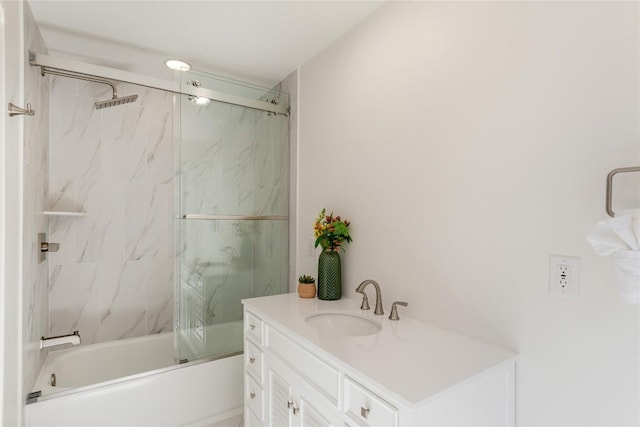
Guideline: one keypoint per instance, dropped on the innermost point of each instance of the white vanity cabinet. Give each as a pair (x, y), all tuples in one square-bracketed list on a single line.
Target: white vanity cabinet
[(409, 373), (276, 392)]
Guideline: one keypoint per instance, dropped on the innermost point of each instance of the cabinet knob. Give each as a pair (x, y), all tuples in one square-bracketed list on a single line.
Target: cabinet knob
[(364, 412), (252, 360), (252, 326), (296, 410), (289, 403), (252, 395)]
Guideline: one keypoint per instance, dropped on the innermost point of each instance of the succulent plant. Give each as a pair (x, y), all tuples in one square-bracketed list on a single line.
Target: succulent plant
[(306, 279)]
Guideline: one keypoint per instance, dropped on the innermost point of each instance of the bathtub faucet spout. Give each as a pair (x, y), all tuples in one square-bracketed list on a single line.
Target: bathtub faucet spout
[(73, 339)]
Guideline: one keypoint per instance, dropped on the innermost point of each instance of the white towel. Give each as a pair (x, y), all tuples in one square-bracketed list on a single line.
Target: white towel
[(620, 236)]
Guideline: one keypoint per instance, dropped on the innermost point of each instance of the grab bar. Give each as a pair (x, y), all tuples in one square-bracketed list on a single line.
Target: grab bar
[(73, 339), (609, 194)]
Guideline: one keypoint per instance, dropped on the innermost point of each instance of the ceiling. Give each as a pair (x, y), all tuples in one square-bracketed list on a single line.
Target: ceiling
[(256, 41)]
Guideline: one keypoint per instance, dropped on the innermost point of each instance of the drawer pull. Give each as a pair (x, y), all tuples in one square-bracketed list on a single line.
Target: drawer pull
[(252, 360), (252, 395), (252, 326), (364, 412)]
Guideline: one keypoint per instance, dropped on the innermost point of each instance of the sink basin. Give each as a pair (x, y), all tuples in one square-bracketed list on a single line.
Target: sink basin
[(343, 323)]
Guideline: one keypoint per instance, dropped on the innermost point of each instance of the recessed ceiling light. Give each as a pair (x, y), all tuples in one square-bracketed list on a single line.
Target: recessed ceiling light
[(177, 65), (199, 100)]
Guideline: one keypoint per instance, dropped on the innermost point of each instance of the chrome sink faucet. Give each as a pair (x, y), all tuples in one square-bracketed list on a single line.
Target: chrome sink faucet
[(365, 300)]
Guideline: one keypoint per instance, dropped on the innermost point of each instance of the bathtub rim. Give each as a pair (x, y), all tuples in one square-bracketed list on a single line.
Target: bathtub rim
[(74, 390)]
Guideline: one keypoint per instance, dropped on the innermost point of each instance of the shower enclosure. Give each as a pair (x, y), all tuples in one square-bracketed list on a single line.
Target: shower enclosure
[(231, 210), (170, 206)]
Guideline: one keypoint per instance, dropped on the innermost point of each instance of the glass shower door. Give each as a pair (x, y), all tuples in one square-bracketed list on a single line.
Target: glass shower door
[(231, 221)]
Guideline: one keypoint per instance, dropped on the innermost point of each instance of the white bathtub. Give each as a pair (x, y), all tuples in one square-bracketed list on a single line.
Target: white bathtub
[(135, 382)]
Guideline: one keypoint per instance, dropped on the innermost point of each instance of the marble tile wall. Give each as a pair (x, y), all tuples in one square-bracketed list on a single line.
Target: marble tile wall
[(36, 141), (113, 275)]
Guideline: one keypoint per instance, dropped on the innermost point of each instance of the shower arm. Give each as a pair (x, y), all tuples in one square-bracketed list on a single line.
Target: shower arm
[(45, 70)]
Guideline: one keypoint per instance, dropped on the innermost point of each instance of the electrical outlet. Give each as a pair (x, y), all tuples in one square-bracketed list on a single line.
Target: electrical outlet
[(311, 250), (564, 276)]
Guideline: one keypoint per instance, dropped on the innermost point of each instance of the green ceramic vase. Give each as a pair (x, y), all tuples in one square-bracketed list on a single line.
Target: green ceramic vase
[(329, 276)]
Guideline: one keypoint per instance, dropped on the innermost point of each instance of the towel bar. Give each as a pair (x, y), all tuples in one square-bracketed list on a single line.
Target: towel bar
[(609, 195)]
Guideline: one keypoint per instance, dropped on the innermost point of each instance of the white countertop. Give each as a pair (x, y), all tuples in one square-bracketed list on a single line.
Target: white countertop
[(412, 360)]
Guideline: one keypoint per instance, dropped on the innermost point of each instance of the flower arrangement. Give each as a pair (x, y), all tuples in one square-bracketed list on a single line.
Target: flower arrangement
[(330, 232)]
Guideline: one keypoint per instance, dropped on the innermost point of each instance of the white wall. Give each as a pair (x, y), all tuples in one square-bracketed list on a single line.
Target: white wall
[(467, 142)]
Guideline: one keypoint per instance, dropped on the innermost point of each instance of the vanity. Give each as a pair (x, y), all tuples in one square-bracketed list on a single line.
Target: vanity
[(310, 362)]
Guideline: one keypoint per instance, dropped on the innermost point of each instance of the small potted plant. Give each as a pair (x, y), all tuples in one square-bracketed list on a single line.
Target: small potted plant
[(306, 286)]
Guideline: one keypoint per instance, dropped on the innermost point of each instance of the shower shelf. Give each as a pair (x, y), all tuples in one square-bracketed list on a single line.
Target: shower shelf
[(63, 213)]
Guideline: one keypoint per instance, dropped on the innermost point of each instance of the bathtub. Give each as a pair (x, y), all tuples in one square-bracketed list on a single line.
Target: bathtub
[(135, 382)]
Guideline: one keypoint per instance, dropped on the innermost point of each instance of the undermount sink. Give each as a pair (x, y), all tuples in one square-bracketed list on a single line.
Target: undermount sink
[(343, 323)]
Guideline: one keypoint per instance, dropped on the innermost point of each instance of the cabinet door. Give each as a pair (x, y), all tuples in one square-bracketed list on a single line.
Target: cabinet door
[(292, 402), (279, 401), (308, 416)]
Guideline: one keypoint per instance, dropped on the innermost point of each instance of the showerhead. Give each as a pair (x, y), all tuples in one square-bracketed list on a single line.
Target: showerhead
[(115, 101)]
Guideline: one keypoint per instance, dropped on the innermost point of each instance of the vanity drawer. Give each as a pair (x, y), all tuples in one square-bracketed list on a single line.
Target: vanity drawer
[(321, 375), (366, 407), (253, 327), (253, 397), (253, 360)]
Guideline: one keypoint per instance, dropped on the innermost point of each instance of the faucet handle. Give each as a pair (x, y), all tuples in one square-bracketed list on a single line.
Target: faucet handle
[(394, 310)]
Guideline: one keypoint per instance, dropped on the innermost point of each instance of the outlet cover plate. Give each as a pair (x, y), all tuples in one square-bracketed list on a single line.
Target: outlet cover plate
[(311, 249), (564, 276)]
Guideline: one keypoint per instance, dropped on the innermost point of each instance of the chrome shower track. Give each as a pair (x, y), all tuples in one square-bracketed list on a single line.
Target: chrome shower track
[(112, 74)]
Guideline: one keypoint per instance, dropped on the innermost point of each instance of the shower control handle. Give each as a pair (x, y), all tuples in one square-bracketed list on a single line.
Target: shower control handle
[(49, 247), (45, 247)]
